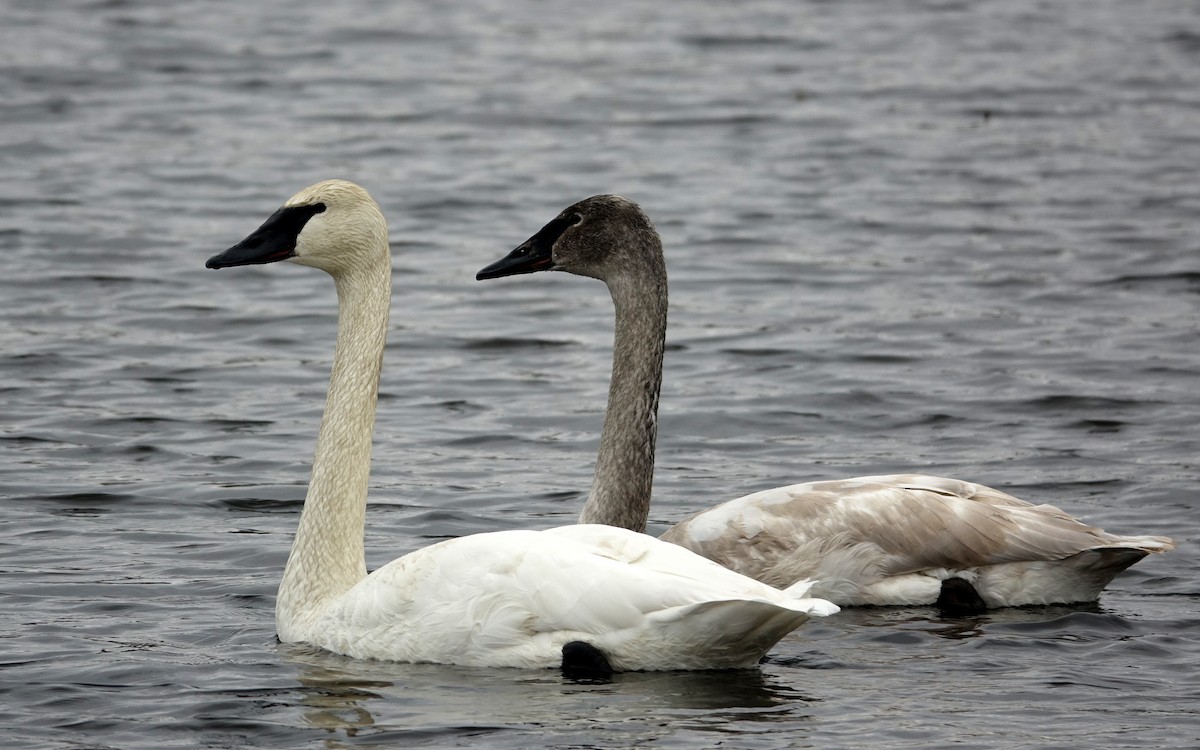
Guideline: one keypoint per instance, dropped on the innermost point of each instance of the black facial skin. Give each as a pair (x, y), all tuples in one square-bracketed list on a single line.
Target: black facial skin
[(534, 254), (275, 240)]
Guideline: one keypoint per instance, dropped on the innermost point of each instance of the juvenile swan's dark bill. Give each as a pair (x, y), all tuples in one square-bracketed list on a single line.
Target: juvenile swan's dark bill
[(534, 254), (275, 240)]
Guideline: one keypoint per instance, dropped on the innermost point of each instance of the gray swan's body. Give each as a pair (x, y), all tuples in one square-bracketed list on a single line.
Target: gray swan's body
[(882, 540), (505, 599)]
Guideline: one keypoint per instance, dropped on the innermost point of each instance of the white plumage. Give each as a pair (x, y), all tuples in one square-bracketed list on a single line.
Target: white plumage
[(514, 598), (505, 599)]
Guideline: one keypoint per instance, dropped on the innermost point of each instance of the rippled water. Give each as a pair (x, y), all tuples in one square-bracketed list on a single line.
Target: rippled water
[(943, 236)]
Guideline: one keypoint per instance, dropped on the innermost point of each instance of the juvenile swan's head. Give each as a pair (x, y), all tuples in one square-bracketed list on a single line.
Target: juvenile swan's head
[(334, 225), (603, 237)]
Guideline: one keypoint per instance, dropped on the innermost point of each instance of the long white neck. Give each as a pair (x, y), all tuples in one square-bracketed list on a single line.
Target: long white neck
[(624, 477), (327, 555)]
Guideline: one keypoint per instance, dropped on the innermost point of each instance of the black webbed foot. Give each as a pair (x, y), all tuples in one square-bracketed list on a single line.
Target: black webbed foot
[(959, 597), (583, 660)]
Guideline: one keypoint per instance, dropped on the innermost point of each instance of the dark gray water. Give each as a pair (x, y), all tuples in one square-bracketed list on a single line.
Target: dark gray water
[(940, 236)]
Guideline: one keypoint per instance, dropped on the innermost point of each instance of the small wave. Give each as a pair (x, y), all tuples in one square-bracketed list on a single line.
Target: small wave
[(1069, 402), (263, 505), (506, 343), (489, 439), (731, 41), (1074, 626), (1185, 281), (1100, 425), (87, 499)]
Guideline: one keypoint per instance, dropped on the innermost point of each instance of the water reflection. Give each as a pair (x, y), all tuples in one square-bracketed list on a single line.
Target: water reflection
[(334, 703), (707, 691), (928, 620), (350, 698)]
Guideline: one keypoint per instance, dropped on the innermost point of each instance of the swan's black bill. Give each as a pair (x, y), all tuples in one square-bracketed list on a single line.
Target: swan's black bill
[(534, 254), (275, 240), (525, 259)]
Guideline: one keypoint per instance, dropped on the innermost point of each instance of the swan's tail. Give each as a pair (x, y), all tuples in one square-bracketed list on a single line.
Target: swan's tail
[(1099, 565), (725, 634), (802, 602), (1144, 544), (1093, 569), (731, 634)]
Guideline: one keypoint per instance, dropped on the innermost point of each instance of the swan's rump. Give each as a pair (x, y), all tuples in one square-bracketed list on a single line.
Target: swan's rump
[(513, 598)]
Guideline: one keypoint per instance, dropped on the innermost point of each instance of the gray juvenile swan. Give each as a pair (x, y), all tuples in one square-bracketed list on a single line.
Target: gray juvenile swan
[(581, 596), (905, 539)]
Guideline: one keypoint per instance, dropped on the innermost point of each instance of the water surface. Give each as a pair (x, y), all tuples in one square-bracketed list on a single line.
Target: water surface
[(948, 237)]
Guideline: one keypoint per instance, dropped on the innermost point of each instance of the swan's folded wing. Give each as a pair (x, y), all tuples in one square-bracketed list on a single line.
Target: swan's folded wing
[(912, 522)]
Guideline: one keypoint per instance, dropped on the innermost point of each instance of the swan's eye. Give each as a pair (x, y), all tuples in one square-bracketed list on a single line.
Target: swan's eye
[(318, 208)]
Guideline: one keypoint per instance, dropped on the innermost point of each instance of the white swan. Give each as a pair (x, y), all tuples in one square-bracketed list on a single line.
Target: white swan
[(505, 599), (885, 540)]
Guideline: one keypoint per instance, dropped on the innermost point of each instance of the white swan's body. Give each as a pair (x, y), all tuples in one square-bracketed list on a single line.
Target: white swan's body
[(513, 598), (884, 540)]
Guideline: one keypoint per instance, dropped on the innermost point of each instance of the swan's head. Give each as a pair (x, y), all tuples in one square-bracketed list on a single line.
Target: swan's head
[(603, 237), (334, 225)]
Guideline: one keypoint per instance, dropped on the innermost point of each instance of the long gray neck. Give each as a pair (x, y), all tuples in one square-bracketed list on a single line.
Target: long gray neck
[(327, 554), (624, 477)]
